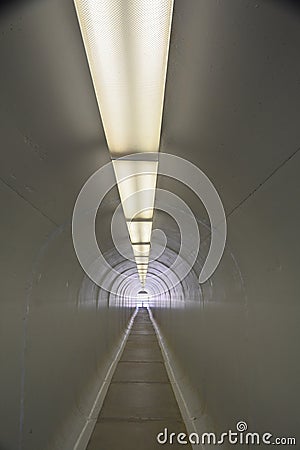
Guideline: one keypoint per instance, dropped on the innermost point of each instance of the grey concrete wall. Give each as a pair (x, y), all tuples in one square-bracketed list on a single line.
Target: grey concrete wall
[(232, 108), (237, 346), (58, 334)]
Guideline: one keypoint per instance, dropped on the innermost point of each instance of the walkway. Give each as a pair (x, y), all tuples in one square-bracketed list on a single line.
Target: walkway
[(140, 401)]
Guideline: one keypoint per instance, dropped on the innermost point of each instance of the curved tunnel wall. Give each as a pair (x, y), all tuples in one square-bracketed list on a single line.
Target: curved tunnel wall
[(236, 349), (59, 333), (235, 341), (231, 340)]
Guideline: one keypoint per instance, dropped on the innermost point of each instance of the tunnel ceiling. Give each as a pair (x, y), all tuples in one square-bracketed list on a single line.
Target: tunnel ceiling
[(231, 103)]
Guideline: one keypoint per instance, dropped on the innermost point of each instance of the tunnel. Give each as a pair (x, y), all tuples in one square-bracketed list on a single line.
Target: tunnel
[(104, 356)]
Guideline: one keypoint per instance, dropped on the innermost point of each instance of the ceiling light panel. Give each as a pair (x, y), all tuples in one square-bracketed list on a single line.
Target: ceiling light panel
[(136, 183), (139, 231), (127, 44), (142, 279), (141, 250), (141, 260), (142, 272)]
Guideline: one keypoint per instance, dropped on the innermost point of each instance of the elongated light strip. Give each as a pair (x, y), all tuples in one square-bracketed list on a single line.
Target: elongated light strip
[(127, 45), (136, 182)]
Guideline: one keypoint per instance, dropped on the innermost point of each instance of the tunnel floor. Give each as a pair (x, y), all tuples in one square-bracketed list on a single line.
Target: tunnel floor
[(140, 401)]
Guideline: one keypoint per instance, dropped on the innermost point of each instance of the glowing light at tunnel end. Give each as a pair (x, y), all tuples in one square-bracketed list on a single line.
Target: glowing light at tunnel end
[(101, 182)]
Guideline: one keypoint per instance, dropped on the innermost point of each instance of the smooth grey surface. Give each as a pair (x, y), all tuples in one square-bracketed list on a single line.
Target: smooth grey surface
[(144, 328), (140, 401), (140, 372), (149, 351), (118, 435), (237, 346), (141, 332), (142, 337)]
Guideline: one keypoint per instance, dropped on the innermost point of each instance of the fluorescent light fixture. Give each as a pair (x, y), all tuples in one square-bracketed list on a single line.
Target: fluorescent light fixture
[(141, 260), (136, 182), (142, 279), (139, 231), (141, 249), (127, 44), (142, 266), (142, 271)]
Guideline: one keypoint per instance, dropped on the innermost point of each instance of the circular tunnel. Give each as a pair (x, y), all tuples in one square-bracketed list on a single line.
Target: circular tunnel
[(232, 106)]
